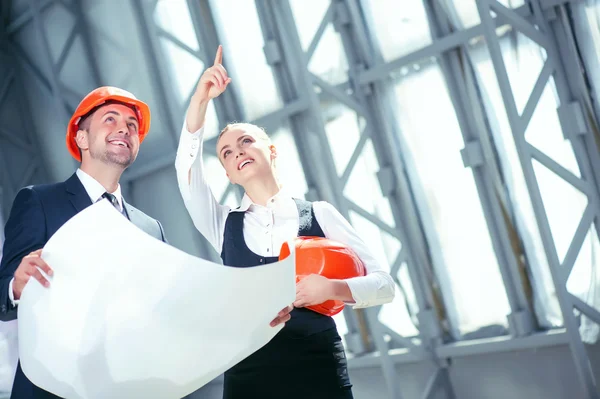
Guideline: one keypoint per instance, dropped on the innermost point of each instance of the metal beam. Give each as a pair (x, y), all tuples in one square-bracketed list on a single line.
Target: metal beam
[(148, 35), (459, 76), (228, 105), (375, 99), (53, 79), (439, 46), (581, 361), (27, 15), (478, 347), (85, 32), (294, 83), (13, 176)]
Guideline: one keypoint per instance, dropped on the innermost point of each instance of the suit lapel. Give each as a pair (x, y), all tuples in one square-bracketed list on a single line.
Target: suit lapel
[(79, 197), (134, 216)]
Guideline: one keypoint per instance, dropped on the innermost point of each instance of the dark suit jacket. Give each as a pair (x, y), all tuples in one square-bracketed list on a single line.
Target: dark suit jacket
[(37, 213)]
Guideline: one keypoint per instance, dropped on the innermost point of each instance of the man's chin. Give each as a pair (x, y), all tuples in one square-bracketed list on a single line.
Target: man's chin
[(122, 160)]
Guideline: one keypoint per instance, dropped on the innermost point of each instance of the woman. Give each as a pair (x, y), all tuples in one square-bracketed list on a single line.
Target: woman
[(306, 358)]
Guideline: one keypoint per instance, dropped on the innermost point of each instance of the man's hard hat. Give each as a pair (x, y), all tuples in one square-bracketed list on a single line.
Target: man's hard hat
[(328, 258), (96, 98)]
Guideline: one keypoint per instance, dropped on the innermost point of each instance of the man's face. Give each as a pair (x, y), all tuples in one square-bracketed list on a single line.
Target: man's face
[(245, 154), (112, 137)]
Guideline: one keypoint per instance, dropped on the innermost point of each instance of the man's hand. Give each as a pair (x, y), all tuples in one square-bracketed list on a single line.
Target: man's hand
[(29, 268), (282, 316), (212, 83), (313, 290)]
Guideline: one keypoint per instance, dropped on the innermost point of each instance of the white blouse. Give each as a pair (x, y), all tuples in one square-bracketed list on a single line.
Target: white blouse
[(266, 228)]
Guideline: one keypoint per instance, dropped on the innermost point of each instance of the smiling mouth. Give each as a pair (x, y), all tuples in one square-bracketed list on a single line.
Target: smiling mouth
[(119, 143), (246, 162)]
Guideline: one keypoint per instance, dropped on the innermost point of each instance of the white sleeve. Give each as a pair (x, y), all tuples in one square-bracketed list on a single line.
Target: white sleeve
[(11, 295), (377, 287), (207, 214)]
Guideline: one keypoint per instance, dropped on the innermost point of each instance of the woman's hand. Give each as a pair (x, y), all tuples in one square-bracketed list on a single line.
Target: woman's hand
[(282, 316), (214, 80), (212, 84), (313, 290)]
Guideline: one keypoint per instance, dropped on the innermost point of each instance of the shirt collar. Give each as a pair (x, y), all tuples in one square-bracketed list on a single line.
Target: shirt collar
[(95, 190), (247, 202)]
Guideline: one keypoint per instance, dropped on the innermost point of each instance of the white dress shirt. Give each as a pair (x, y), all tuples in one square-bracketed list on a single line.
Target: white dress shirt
[(266, 228), (95, 190)]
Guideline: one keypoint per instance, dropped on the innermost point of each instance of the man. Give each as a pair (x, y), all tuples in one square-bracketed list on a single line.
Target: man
[(104, 134)]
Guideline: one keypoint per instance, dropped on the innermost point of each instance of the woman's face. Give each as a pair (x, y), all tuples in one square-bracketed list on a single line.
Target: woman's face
[(245, 153)]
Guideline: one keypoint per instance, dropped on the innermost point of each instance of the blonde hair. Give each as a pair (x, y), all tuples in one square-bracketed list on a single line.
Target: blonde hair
[(261, 132)]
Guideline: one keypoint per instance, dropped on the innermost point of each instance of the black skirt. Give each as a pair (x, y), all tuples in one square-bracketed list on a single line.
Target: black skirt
[(292, 367)]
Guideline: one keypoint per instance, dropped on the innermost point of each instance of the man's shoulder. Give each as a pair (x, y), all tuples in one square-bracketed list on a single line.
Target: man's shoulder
[(42, 190), (47, 188)]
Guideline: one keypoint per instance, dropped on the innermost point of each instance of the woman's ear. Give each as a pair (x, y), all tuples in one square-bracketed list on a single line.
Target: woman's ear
[(273, 151)]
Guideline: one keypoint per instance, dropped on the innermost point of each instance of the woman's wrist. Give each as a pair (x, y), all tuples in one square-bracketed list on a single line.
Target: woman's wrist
[(340, 291)]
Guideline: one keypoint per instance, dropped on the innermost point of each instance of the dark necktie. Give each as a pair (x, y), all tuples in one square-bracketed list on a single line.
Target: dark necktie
[(113, 200)]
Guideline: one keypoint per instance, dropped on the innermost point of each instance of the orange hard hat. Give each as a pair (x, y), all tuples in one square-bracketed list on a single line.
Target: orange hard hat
[(328, 258), (96, 98)]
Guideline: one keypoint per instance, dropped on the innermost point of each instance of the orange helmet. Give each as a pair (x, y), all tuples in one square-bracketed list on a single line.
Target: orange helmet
[(98, 97), (328, 258)]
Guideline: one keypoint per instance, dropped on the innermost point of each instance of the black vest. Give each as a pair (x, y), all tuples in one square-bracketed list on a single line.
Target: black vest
[(237, 254)]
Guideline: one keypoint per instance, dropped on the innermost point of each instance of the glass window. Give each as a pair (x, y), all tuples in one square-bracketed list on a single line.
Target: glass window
[(329, 61), (289, 168), (186, 70), (173, 17), (467, 10), (399, 27), (563, 204), (215, 176), (308, 15), (244, 58), (343, 128), (449, 203), (395, 315), (183, 63), (584, 282), (586, 24)]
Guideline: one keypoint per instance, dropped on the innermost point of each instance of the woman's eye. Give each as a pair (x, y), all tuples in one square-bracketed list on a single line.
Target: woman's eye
[(226, 153), (247, 140)]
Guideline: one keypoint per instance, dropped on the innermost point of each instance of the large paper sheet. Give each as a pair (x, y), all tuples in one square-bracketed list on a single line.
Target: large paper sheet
[(127, 316)]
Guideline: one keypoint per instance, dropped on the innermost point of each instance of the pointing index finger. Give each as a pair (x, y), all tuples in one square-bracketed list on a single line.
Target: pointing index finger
[(219, 56)]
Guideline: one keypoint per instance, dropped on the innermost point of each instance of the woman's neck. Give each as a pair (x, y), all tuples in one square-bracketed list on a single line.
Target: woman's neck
[(261, 190)]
